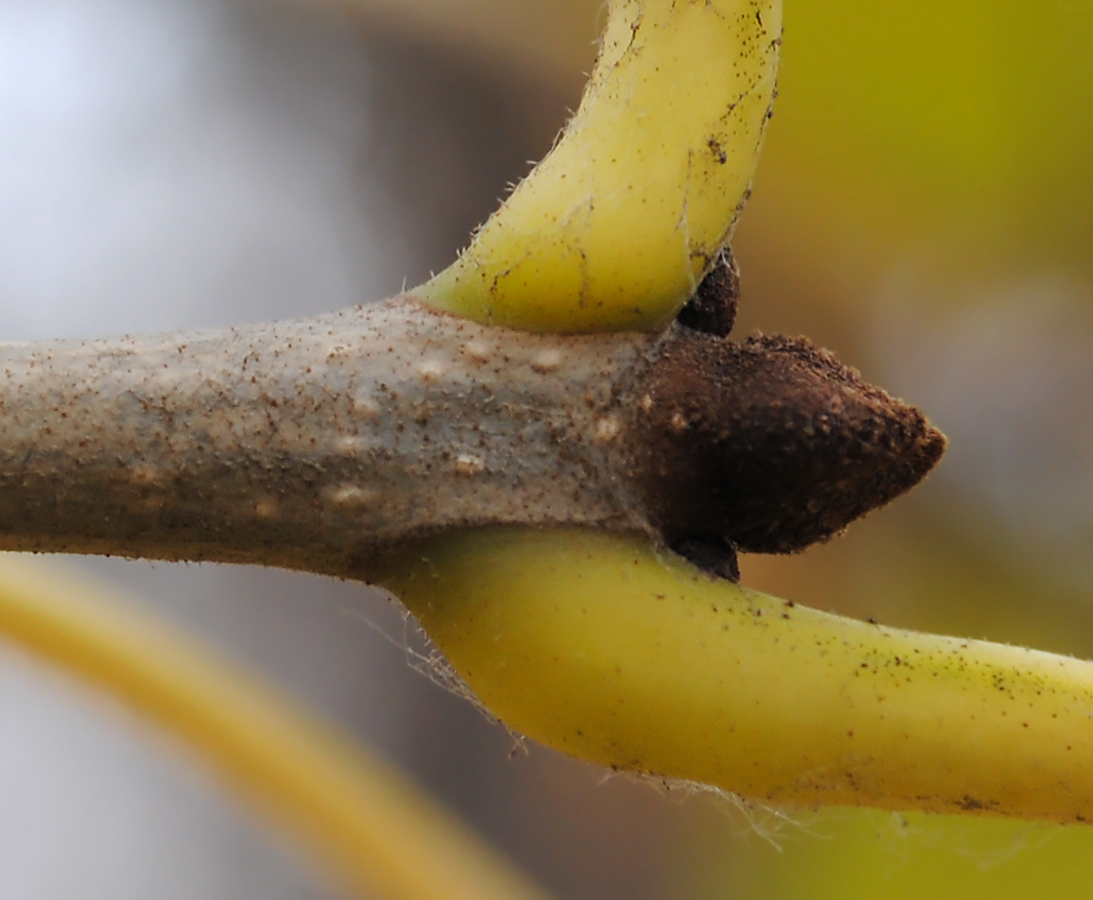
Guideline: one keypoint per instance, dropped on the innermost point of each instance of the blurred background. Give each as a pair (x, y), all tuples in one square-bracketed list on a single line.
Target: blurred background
[(924, 207)]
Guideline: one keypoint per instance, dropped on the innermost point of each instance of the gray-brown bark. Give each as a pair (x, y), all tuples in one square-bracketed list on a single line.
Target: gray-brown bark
[(318, 444)]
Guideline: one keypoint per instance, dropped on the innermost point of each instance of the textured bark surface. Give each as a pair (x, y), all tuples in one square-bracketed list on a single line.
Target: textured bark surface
[(334, 444), (320, 444)]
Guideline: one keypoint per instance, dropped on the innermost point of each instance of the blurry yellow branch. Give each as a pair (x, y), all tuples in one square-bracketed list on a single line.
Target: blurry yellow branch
[(373, 828)]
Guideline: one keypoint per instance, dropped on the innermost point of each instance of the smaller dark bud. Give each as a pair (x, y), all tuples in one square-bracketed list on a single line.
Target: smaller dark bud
[(711, 553), (712, 309)]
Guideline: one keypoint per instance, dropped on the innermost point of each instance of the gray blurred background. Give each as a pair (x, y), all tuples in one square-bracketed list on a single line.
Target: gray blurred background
[(923, 208)]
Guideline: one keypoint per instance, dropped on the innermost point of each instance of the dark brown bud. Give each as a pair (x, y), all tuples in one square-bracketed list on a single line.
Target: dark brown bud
[(712, 309), (771, 444)]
